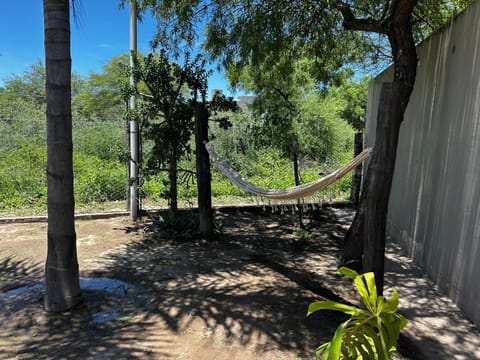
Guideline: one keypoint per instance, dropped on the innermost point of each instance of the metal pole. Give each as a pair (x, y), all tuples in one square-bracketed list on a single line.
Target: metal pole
[(133, 123)]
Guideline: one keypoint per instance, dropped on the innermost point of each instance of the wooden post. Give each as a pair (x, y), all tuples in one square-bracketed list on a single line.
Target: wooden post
[(357, 173), (296, 174), (205, 213)]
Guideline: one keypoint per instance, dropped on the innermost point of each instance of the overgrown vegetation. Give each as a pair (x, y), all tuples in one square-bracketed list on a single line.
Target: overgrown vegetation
[(182, 225), (101, 152)]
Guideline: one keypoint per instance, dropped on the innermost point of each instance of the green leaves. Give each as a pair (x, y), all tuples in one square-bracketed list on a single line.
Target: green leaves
[(347, 272), (331, 305), (165, 109), (369, 334)]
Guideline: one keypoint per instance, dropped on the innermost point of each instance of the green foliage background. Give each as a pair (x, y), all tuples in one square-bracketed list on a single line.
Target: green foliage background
[(100, 149)]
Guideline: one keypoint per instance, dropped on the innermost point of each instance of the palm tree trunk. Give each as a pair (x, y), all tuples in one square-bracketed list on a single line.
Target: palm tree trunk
[(61, 271)]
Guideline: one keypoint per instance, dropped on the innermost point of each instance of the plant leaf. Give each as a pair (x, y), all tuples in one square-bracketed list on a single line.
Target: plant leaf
[(332, 305), (368, 334), (337, 341), (391, 305), (322, 350), (387, 330), (345, 271), (364, 347), (380, 304), (383, 350), (373, 335), (368, 290)]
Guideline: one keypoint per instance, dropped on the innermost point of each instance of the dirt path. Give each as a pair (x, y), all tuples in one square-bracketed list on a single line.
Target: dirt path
[(243, 296)]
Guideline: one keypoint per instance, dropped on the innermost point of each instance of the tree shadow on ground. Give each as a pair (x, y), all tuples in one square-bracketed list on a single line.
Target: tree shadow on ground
[(105, 325), (248, 289), (83, 333), (251, 287), (15, 273)]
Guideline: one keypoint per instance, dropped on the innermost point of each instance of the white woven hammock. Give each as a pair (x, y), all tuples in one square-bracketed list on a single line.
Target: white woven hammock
[(296, 192)]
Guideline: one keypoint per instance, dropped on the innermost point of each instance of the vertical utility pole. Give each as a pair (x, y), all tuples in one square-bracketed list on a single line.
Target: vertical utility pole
[(133, 201)]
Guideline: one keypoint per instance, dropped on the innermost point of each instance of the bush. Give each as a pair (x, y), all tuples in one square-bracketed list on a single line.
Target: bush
[(105, 140), (98, 180), (175, 226), (23, 178)]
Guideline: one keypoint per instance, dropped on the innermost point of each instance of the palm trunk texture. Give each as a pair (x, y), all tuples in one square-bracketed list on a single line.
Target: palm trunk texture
[(62, 289)]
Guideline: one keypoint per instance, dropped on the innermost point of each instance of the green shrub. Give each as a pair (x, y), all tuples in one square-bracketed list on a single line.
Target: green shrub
[(180, 226), (369, 334), (175, 226), (97, 180), (105, 140), (221, 186), (23, 180), (153, 188)]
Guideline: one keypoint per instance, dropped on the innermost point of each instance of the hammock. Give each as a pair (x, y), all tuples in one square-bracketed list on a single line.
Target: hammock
[(296, 192)]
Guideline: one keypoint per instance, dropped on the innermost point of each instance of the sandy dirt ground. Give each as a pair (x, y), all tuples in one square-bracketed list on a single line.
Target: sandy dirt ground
[(243, 295)]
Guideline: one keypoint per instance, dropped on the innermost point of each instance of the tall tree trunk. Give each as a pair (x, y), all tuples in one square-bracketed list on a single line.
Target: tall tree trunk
[(365, 241), (205, 214), (61, 271), (369, 226)]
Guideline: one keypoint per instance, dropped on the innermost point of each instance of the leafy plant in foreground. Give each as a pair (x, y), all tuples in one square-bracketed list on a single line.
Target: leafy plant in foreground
[(370, 333)]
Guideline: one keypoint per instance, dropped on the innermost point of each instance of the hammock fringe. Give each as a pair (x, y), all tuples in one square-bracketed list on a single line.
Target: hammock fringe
[(296, 192)]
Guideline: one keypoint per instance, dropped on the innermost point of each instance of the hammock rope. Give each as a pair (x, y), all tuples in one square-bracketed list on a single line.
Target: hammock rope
[(295, 192)]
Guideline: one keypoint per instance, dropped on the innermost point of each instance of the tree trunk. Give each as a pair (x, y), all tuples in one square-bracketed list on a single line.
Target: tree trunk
[(366, 235), (205, 214), (172, 178), (62, 288), (364, 245), (357, 173), (296, 174)]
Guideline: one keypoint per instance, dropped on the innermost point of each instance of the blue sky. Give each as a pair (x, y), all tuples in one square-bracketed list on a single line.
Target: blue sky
[(102, 32)]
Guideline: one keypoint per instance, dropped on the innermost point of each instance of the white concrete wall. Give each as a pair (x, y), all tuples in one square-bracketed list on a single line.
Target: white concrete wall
[(435, 202)]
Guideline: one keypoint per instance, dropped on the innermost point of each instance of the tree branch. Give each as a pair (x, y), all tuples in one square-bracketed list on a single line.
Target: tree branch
[(146, 95), (285, 97), (350, 22)]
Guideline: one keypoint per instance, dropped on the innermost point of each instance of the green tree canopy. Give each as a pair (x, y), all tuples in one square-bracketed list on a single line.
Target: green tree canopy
[(252, 33), (23, 96), (165, 109), (99, 95)]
